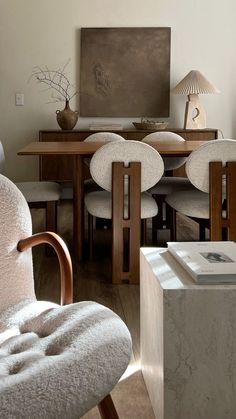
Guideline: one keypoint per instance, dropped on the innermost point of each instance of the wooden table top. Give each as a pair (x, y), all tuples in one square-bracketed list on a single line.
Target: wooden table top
[(87, 148)]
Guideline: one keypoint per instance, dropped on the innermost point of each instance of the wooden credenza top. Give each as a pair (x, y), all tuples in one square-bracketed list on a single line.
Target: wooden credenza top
[(129, 134), (59, 168)]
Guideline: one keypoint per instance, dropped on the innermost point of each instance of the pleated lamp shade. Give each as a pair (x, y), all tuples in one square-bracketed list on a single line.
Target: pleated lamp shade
[(192, 85)]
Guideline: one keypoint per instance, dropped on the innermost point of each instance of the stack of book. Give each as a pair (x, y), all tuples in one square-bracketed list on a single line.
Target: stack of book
[(207, 262), (106, 127)]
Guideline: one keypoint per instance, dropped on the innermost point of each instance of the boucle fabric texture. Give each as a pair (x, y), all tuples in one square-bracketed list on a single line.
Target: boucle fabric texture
[(197, 165), (55, 362), (99, 204), (102, 136), (39, 191), (193, 203), (58, 362), (167, 137), (16, 270), (152, 166)]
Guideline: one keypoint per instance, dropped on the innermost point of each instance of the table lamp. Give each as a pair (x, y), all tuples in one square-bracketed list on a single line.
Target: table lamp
[(192, 85)]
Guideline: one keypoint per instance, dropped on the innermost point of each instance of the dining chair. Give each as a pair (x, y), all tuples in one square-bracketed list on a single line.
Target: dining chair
[(56, 361), (39, 195), (125, 170), (167, 183), (106, 136), (211, 169)]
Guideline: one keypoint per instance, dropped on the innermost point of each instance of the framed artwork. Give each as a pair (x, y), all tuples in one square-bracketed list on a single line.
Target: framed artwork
[(125, 72)]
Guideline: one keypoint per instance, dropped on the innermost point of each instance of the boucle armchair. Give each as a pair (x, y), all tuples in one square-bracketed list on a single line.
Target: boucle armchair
[(55, 361)]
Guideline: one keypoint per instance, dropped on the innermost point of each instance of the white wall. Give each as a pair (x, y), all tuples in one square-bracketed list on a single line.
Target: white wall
[(47, 32)]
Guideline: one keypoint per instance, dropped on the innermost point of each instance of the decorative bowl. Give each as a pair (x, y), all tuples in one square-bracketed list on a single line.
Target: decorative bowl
[(152, 126)]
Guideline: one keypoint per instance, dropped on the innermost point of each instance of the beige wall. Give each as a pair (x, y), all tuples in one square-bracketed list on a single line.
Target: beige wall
[(47, 32)]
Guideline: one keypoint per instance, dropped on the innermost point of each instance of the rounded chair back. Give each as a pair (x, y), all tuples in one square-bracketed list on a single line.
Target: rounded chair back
[(102, 136), (152, 166), (197, 165), (16, 278), (167, 137)]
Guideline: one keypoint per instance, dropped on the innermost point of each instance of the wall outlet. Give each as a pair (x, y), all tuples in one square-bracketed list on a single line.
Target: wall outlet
[(19, 99)]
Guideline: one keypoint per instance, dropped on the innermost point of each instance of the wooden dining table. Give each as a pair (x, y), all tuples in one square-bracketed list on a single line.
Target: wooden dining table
[(81, 149)]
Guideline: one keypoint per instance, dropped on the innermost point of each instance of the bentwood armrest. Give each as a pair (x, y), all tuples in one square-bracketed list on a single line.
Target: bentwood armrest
[(64, 258)]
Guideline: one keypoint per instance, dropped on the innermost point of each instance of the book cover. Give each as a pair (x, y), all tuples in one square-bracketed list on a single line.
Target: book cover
[(207, 262)]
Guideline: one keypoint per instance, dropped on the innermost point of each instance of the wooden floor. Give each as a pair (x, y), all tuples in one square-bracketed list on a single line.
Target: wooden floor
[(92, 281)]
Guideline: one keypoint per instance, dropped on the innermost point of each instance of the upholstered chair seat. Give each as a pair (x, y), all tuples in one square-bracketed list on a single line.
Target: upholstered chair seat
[(167, 184), (99, 204), (59, 362), (39, 194), (39, 191), (195, 203), (55, 361)]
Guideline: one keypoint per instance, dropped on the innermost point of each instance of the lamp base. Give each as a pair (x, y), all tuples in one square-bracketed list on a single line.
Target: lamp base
[(195, 116)]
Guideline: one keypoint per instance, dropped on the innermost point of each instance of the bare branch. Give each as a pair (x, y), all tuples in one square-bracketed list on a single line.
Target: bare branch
[(54, 79)]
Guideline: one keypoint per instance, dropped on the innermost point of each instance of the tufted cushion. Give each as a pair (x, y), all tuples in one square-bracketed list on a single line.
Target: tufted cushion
[(99, 204), (152, 166), (169, 184), (16, 270), (40, 191), (166, 137), (58, 362), (197, 165)]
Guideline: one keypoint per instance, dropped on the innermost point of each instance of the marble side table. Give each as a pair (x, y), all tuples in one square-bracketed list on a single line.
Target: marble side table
[(188, 341)]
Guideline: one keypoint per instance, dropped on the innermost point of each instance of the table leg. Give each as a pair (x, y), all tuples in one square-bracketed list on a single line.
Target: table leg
[(78, 210)]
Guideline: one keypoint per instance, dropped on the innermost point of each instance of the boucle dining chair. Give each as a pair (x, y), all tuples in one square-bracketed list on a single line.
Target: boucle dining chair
[(56, 361), (39, 195), (89, 184), (125, 170), (167, 184), (211, 170)]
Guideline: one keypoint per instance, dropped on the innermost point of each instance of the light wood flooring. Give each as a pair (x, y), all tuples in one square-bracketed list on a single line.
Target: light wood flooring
[(92, 281)]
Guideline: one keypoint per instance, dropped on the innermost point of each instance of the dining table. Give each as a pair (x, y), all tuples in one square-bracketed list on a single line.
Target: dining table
[(81, 149)]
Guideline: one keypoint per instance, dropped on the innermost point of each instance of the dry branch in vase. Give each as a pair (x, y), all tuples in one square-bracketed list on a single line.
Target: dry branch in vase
[(59, 82)]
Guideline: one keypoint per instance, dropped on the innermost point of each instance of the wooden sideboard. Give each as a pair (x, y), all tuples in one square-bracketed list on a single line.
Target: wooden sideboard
[(60, 168)]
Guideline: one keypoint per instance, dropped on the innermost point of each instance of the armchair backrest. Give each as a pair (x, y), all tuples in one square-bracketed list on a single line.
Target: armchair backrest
[(197, 165), (167, 137), (152, 166), (16, 269)]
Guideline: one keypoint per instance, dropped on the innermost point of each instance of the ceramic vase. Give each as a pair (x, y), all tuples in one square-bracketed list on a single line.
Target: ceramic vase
[(67, 118)]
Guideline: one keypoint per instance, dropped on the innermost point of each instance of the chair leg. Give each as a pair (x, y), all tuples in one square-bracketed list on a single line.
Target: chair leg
[(107, 409), (172, 219), (202, 232), (51, 216), (90, 235), (144, 232)]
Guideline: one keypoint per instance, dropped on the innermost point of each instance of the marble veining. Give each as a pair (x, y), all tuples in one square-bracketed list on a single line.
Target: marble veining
[(197, 332)]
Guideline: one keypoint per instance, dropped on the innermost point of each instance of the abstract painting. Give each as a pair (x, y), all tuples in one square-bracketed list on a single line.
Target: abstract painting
[(125, 72)]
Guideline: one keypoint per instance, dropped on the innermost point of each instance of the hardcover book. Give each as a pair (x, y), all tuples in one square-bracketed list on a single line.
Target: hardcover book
[(207, 262)]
